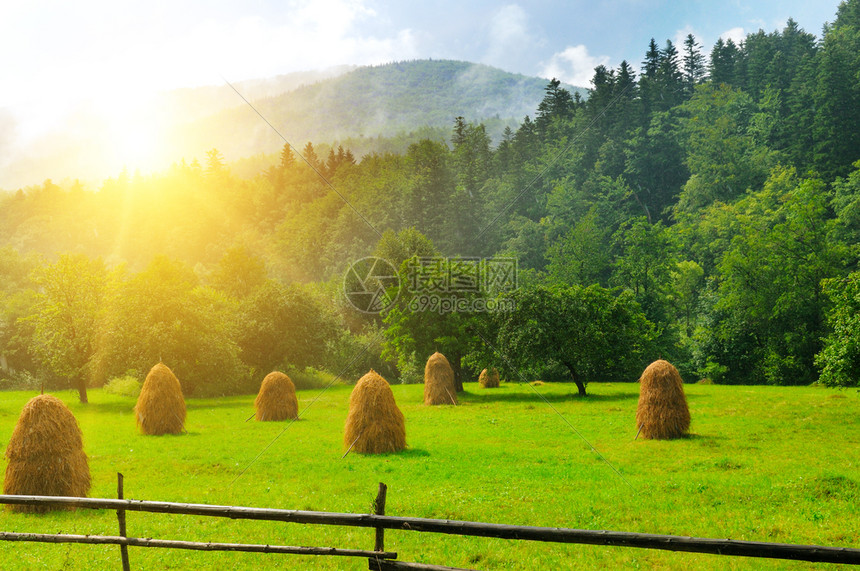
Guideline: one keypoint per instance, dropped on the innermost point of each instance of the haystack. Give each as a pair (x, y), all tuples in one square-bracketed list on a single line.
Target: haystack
[(439, 381), (374, 423), (46, 454), (277, 398), (160, 408), (662, 412), (489, 378)]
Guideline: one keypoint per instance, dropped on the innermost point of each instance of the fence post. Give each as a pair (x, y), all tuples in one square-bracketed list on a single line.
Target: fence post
[(379, 506), (120, 515)]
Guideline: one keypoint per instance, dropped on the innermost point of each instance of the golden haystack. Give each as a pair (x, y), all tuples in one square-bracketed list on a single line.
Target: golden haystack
[(160, 408), (277, 398), (489, 379), (46, 454), (439, 381), (662, 412), (374, 423)]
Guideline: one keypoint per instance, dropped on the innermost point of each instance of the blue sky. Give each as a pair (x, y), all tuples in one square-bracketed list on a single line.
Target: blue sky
[(109, 56)]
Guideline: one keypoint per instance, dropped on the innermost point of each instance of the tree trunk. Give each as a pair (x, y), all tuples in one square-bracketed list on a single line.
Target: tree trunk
[(458, 374), (82, 390), (580, 386)]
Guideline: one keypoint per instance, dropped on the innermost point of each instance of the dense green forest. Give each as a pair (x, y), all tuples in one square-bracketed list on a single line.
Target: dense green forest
[(702, 209)]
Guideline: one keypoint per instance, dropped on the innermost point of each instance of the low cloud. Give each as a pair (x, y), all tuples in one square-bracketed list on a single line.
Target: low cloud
[(574, 65), (737, 35)]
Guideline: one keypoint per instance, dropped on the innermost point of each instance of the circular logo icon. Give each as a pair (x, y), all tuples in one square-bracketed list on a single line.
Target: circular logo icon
[(371, 285)]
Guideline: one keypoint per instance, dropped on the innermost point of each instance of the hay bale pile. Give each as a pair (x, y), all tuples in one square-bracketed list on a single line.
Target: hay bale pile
[(489, 379), (160, 408), (374, 423), (46, 454), (277, 398), (439, 381), (662, 412)]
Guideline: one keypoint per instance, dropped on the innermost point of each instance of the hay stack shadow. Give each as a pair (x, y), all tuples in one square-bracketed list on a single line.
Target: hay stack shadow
[(374, 423), (160, 408), (46, 454), (439, 381), (489, 378), (277, 398), (662, 412)]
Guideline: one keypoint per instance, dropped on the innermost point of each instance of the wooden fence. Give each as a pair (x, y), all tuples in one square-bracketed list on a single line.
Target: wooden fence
[(383, 560)]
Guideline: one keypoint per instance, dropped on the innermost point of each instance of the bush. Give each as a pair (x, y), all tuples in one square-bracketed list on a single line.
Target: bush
[(125, 386), (20, 381), (411, 371), (310, 378)]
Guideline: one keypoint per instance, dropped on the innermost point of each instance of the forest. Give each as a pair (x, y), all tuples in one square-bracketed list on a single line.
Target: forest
[(703, 208)]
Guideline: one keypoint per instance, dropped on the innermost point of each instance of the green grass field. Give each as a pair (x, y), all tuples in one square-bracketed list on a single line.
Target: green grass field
[(763, 463)]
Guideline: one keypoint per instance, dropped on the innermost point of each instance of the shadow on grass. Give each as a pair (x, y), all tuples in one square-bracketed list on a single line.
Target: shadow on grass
[(116, 407), (227, 403), (491, 395), (408, 453)]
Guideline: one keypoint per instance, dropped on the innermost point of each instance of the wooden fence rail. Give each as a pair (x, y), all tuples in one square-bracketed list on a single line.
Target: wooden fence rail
[(812, 553)]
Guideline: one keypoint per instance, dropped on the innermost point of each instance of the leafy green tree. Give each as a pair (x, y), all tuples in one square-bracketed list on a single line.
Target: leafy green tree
[(162, 315), (687, 281), (723, 158), (433, 313), (642, 265), (581, 255), (398, 247), (285, 326), (239, 272), (591, 331), (66, 316), (839, 359), (17, 298), (767, 322), (846, 206)]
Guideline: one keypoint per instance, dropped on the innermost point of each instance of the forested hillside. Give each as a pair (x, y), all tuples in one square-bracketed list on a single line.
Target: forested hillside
[(712, 195), (357, 107)]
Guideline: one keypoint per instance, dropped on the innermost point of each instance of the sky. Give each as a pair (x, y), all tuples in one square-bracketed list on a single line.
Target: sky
[(110, 56)]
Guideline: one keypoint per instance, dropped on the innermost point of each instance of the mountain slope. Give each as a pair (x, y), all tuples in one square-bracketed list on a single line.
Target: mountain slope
[(370, 101)]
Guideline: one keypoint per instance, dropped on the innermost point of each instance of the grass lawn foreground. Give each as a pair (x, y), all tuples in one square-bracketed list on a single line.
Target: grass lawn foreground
[(778, 464)]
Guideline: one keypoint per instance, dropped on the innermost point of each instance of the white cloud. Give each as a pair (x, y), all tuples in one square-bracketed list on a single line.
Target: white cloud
[(737, 35), (507, 32), (574, 65), (121, 54)]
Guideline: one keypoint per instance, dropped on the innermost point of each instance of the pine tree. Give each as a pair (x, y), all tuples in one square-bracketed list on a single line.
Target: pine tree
[(669, 77), (724, 58), (557, 105), (694, 64)]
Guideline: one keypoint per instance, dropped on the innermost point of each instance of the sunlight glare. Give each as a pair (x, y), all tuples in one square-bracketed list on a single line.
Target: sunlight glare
[(132, 133)]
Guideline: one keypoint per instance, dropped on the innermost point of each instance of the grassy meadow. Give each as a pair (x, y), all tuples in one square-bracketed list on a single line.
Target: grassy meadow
[(762, 463)]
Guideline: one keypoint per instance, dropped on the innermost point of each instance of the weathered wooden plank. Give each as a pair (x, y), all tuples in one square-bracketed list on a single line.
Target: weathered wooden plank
[(814, 553), (383, 565), (192, 545)]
